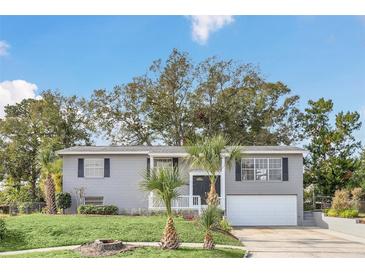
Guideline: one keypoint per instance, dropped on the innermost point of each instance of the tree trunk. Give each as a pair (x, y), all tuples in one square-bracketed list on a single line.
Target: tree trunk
[(212, 199), (170, 240), (50, 196), (208, 241)]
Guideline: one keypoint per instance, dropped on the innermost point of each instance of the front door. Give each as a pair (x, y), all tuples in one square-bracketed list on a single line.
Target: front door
[(201, 187)]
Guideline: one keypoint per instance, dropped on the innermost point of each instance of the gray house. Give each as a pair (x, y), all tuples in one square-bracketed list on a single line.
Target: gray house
[(264, 188)]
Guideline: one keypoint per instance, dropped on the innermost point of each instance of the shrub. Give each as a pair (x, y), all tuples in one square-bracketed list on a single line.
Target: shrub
[(63, 200), (341, 200), (98, 210), (224, 225), (356, 194), (348, 213), (332, 213), (2, 229), (345, 213)]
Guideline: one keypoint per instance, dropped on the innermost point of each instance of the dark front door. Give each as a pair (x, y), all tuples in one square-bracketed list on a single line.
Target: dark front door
[(201, 187)]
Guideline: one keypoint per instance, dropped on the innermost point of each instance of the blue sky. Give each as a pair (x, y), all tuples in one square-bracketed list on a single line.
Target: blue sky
[(314, 55)]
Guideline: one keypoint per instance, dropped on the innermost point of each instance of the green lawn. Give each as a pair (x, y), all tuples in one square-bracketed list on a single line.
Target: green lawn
[(38, 230), (145, 252)]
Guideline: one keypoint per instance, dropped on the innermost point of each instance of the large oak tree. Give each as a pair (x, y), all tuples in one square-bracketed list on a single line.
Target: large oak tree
[(178, 101)]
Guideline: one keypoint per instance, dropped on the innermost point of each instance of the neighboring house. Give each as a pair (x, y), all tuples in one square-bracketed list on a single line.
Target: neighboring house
[(265, 187)]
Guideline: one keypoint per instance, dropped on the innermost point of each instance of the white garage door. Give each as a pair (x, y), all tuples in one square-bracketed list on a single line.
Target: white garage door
[(262, 210)]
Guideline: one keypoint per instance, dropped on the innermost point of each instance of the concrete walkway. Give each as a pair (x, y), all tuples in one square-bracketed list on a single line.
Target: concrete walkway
[(71, 247), (299, 242)]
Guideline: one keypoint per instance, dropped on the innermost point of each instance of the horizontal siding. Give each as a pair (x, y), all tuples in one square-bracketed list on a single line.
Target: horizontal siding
[(122, 188)]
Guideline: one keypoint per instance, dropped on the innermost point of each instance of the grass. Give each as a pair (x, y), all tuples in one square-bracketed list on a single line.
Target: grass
[(38, 230), (145, 252)]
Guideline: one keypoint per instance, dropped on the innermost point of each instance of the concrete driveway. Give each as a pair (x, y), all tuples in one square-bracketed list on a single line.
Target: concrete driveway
[(299, 242)]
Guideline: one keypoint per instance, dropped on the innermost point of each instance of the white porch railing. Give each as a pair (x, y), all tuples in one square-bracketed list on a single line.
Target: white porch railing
[(180, 203)]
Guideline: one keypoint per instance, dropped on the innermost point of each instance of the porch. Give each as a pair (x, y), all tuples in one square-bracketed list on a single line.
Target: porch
[(199, 186)]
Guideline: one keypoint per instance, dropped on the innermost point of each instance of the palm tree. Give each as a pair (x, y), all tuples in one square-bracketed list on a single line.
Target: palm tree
[(207, 155), (49, 164), (164, 183), (210, 219)]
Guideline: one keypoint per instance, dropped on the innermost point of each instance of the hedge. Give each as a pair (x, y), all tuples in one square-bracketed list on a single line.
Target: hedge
[(98, 209), (345, 213)]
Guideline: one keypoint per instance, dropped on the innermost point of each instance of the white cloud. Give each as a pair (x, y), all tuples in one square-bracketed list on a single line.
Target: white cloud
[(4, 46), (204, 25), (12, 92)]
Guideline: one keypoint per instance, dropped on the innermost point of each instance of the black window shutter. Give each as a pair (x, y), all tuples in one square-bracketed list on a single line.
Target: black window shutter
[(106, 167), (148, 166), (80, 169), (285, 169), (238, 170)]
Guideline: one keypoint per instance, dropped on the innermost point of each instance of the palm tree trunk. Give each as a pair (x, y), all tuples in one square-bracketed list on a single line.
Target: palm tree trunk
[(50, 196), (208, 241), (170, 239), (212, 199)]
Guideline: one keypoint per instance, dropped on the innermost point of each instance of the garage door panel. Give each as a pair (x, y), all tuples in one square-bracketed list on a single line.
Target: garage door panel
[(262, 210)]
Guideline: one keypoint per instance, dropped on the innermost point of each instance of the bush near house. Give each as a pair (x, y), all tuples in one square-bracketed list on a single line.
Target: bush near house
[(341, 200), (349, 213), (98, 210), (357, 193), (345, 203), (2, 229), (63, 200), (344, 213)]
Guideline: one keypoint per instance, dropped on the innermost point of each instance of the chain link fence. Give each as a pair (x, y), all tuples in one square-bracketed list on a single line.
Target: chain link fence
[(22, 208)]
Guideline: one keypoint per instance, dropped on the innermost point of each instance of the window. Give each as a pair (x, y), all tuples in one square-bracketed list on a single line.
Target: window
[(163, 162), (275, 169), (248, 169), (94, 200), (94, 168), (261, 169)]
